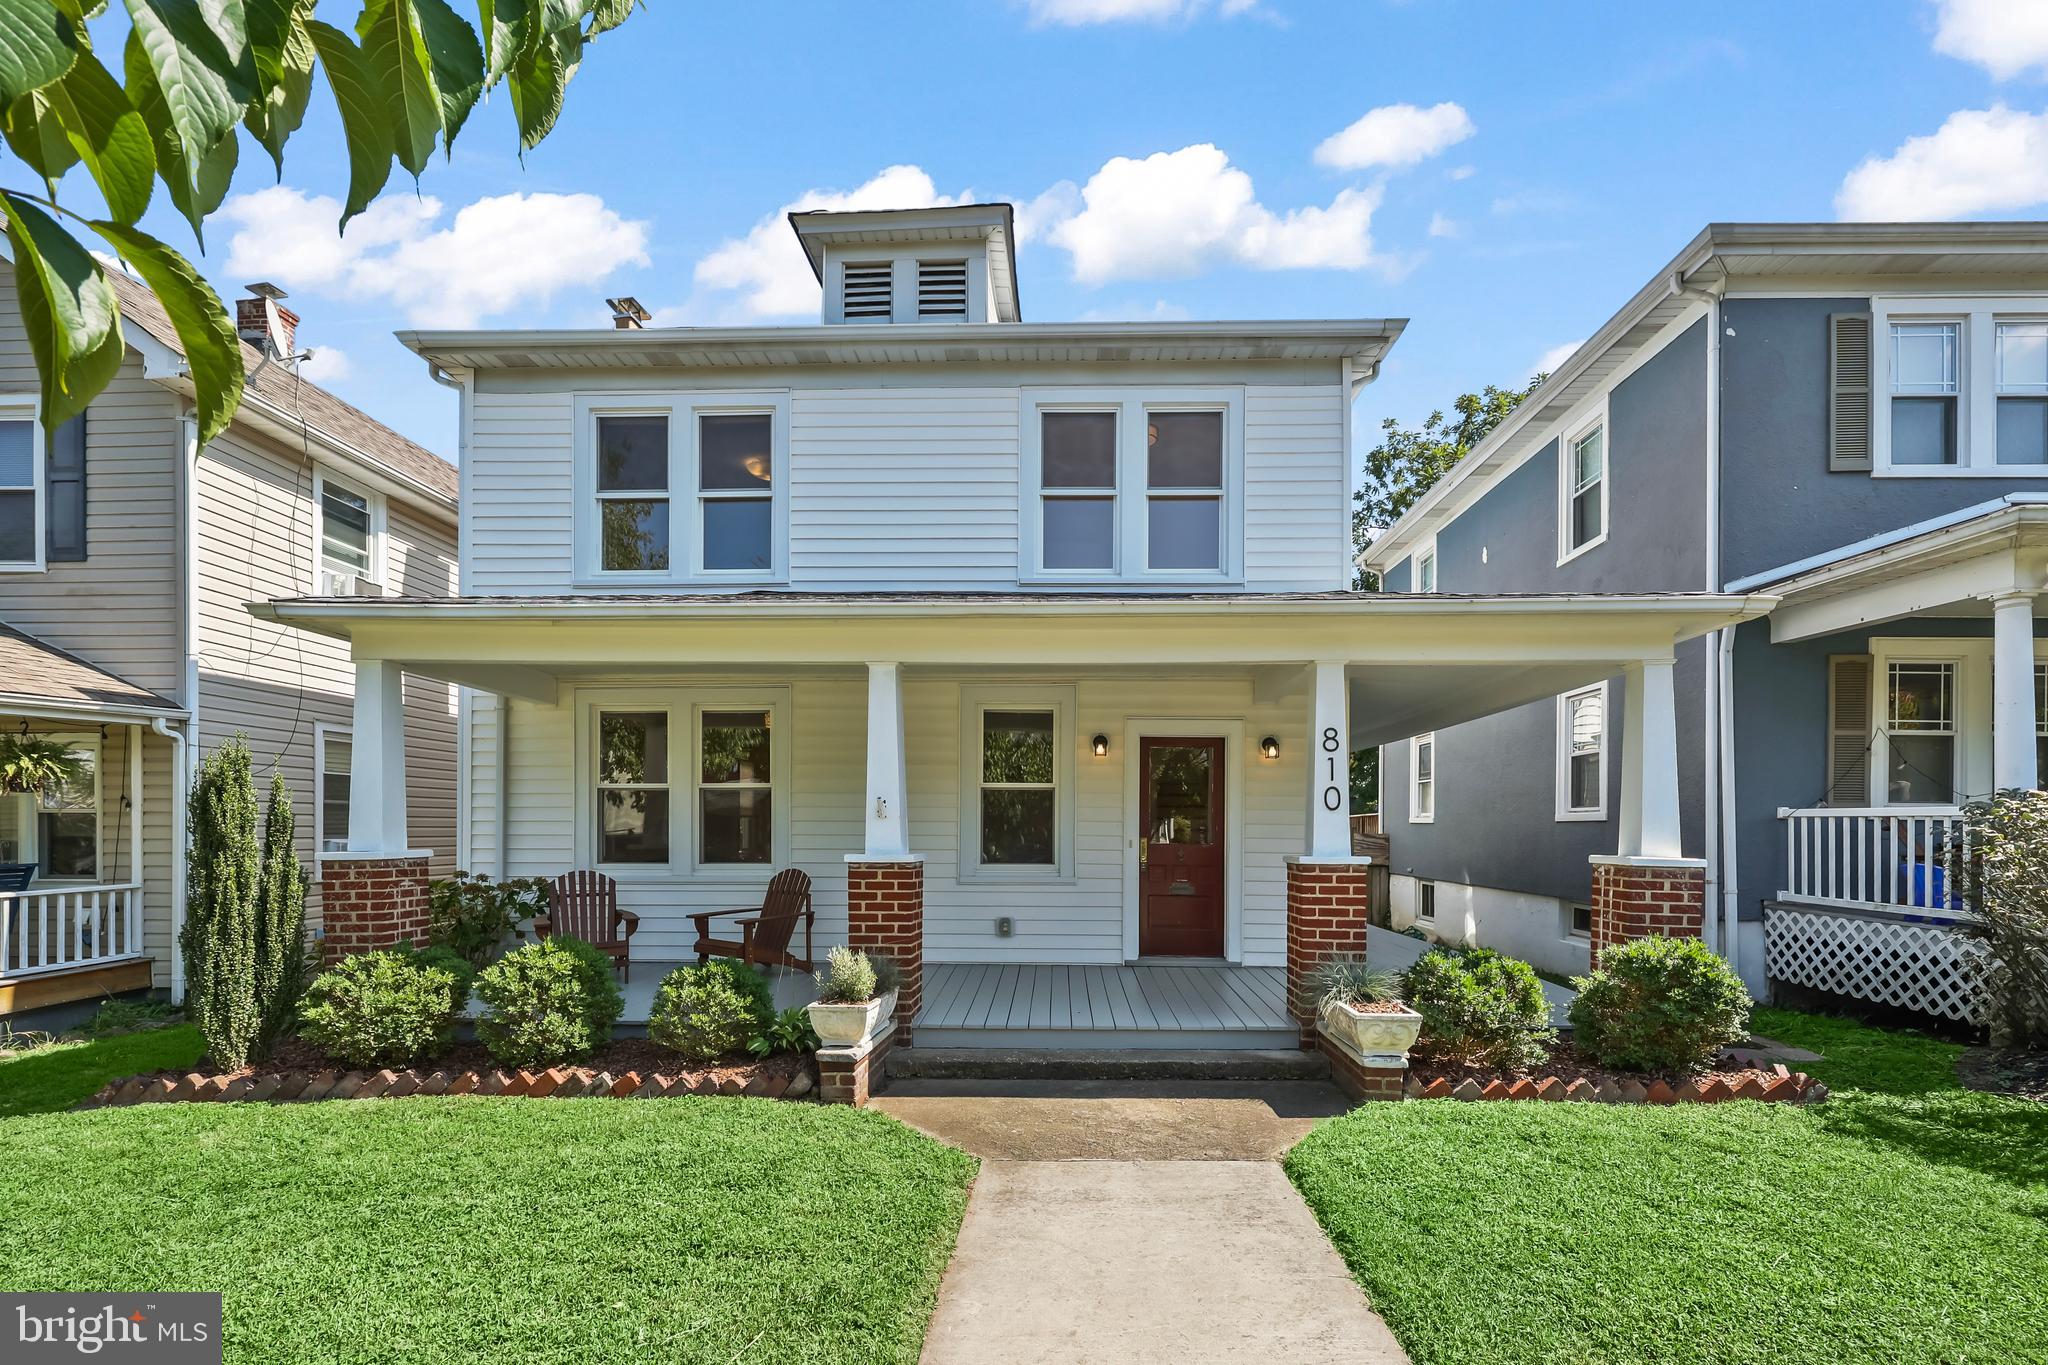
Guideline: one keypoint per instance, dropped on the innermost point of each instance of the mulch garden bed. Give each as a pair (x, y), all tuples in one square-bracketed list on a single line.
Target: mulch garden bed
[(2005, 1071), (1567, 1076), (626, 1068)]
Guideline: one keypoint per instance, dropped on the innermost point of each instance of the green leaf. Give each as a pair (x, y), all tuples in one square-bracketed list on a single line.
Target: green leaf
[(68, 309), (606, 15), (396, 55), (196, 78), (107, 134), (37, 45), (362, 115), (537, 80), (458, 63), (506, 24), (196, 187), (207, 334), (283, 57), (37, 137)]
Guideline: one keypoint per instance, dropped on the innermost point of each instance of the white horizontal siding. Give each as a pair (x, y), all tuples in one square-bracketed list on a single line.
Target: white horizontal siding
[(518, 502), (1297, 513)]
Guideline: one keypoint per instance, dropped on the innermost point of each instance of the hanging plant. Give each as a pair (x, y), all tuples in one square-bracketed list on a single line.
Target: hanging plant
[(31, 763)]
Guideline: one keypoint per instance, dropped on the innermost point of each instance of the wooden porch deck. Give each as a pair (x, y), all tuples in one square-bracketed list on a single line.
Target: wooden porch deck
[(1148, 1005)]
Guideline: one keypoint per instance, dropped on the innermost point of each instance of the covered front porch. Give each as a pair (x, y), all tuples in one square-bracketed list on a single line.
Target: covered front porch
[(1075, 821)]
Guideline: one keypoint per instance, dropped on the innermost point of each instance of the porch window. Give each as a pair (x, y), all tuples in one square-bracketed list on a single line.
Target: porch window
[(735, 488), (335, 753), (1925, 359), (1019, 795), (1077, 466), (632, 787), (632, 494), (1184, 490), (2023, 393), (735, 790), (18, 489), (347, 536), (1422, 779), (1920, 733), (1585, 500), (57, 830), (1581, 754)]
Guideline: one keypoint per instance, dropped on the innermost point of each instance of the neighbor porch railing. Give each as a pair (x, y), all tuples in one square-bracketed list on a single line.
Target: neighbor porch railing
[(47, 929), (1904, 859)]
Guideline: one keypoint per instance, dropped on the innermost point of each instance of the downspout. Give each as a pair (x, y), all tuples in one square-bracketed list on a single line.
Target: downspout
[(1731, 927), (177, 739), (183, 743)]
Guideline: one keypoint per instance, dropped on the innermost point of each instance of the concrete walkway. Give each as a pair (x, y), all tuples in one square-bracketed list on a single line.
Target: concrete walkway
[(1138, 1222)]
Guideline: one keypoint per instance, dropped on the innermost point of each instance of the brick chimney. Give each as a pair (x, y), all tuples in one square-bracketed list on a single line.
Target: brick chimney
[(627, 314), (262, 320)]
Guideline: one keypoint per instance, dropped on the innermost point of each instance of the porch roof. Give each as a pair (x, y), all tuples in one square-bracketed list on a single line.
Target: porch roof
[(38, 679), (1414, 661)]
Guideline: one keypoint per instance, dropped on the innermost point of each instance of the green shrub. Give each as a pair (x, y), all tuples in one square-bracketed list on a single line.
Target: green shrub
[(847, 978), (384, 1008), (706, 1011), (1350, 981), (449, 961), (1659, 1004), (1478, 1006), (547, 1002), (789, 1031), (475, 916), (2005, 857)]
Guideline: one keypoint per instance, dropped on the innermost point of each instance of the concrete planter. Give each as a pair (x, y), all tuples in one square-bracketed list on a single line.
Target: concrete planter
[(851, 1025), (1375, 1038)]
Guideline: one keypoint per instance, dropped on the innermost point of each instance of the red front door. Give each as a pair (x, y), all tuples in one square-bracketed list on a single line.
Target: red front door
[(1180, 850)]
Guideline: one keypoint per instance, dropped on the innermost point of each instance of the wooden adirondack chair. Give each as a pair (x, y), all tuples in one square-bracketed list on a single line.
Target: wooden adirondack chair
[(585, 905), (764, 938)]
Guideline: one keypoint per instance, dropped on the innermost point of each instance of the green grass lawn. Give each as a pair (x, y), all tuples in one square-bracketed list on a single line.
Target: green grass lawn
[(1906, 1220), (458, 1230), (59, 1076)]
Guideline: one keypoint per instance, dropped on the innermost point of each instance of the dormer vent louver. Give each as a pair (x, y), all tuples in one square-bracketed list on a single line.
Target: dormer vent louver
[(867, 292), (942, 289)]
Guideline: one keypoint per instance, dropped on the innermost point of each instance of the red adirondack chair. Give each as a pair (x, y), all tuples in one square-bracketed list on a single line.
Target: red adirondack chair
[(764, 938), (585, 905)]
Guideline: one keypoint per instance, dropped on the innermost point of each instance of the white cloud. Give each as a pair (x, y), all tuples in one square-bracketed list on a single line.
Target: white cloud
[(1395, 135), (2005, 37), (1441, 225), (1548, 362), (1979, 160), (1173, 213), (767, 269), (1079, 13), (326, 365), (1039, 215), (1461, 172), (500, 254)]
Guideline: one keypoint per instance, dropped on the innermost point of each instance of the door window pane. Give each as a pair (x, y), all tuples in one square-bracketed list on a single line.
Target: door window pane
[(735, 795), (635, 533), (632, 787), (1184, 533), (1019, 802), (738, 533), (1184, 449), (1080, 533), (1179, 790), (1078, 450), (1923, 431), (734, 450), (1921, 733), (632, 454)]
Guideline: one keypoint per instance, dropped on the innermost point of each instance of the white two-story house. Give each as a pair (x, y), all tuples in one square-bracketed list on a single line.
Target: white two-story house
[(1029, 642)]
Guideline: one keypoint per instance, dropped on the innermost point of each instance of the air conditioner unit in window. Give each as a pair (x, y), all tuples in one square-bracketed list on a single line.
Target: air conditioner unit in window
[(334, 584)]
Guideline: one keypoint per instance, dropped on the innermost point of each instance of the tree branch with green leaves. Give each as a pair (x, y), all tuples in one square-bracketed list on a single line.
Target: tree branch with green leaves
[(192, 76)]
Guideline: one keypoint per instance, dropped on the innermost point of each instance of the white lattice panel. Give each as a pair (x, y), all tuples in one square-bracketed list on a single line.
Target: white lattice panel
[(1915, 966)]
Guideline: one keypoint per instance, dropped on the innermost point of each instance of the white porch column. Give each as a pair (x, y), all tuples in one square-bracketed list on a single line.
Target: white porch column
[(2013, 721), (1329, 764), (1649, 763), (888, 832), (376, 791)]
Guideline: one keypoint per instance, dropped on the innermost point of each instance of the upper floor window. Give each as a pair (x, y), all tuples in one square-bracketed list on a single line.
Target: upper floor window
[(2023, 393), (19, 541), (1422, 779), (735, 487), (350, 526), (1962, 387), (632, 492), (1133, 486), (1425, 568), (1924, 392), (1582, 754), (1583, 509)]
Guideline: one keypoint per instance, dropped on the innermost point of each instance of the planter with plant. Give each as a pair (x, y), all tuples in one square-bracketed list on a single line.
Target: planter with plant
[(856, 997), (34, 764), (1359, 1008)]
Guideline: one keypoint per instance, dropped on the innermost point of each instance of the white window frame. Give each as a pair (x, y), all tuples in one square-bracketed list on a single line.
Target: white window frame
[(1416, 815), (902, 263), (686, 494), (1572, 932), (379, 529), (30, 808), (29, 408), (1425, 895), (1425, 556), (322, 732), (1115, 494), (1960, 719), (1977, 380), (1595, 419), (1565, 809), (684, 707), (977, 699), (1133, 485)]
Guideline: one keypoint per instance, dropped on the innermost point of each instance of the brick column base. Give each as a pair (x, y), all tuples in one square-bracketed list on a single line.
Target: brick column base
[(849, 1075), (1664, 898), (371, 900), (1359, 1080), (885, 914), (1326, 918)]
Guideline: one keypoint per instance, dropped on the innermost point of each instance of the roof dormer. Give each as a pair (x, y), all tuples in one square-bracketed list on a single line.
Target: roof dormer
[(951, 264)]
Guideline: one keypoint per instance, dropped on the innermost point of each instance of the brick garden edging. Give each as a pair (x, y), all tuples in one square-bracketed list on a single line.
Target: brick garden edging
[(562, 1082), (1782, 1087)]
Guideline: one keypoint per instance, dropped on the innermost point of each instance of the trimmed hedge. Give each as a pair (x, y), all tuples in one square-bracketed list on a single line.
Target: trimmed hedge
[(384, 1008), (707, 1010), (1479, 1006), (547, 1002), (1659, 1004)]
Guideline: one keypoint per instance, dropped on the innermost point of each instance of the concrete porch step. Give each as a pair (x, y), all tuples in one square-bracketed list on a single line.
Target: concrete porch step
[(1105, 1064)]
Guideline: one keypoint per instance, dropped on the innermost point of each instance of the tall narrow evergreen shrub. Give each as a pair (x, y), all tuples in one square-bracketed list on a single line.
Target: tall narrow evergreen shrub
[(222, 876), (282, 969)]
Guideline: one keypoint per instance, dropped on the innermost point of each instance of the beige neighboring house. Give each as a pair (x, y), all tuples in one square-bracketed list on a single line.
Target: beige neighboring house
[(127, 556)]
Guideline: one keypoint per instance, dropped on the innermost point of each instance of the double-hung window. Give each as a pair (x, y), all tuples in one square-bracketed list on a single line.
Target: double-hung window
[(1920, 732), (57, 829), (1422, 779), (735, 787), (350, 535), (682, 488), (1017, 775), (1582, 753), (633, 493), (1925, 365), (335, 755), (736, 490), (2023, 392), (20, 439), (632, 787), (1583, 507), (1133, 486), (1961, 386), (1425, 568), (683, 780)]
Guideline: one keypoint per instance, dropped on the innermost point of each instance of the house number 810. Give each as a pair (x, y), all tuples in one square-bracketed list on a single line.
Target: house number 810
[(1333, 794)]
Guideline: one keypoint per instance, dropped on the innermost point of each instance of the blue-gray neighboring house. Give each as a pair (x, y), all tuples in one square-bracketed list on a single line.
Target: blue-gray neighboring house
[(1850, 417)]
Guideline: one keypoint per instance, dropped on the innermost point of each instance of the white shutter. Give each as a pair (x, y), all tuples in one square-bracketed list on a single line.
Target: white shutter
[(1849, 729), (866, 292), (942, 289), (1849, 392)]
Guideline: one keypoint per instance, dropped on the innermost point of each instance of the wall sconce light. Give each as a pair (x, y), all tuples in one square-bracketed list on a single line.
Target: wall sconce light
[(1101, 746), (1270, 747)]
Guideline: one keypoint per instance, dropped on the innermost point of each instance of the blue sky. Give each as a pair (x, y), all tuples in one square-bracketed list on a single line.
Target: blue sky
[(1548, 159)]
